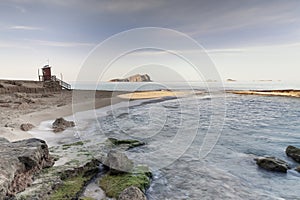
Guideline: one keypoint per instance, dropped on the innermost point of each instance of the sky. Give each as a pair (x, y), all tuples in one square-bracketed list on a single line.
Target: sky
[(245, 39)]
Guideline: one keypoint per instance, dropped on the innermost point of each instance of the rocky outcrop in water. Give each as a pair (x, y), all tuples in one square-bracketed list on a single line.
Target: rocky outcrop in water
[(293, 152), (272, 164), (132, 193), (20, 161), (60, 124), (134, 78)]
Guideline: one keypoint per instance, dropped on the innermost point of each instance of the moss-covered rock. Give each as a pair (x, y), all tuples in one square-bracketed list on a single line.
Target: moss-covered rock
[(70, 188), (129, 143), (61, 182), (113, 185), (67, 146)]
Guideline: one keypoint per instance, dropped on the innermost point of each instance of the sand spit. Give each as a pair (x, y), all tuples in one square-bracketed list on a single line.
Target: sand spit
[(286, 93)]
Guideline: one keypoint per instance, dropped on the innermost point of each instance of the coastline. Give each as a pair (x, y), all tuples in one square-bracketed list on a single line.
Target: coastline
[(34, 108)]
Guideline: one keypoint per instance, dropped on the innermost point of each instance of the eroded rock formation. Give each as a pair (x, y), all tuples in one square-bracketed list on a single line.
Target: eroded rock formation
[(20, 161)]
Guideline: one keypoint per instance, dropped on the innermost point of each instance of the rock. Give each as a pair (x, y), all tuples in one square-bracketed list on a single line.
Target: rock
[(114, 185), (298, 169), (23, 106), (272, 164), (129, 144), (132, 193), (26, 127), (62, 182), (60, 124), (293, 152), (118, 162), (20, 161)]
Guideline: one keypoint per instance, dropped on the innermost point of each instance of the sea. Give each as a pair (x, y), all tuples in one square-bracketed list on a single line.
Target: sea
[(203, 146)]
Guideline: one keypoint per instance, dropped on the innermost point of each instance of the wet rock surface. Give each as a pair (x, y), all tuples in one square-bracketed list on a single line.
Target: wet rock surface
[(293, 152), (128, 144), (60, 124), (77, 166), (272, 164), (118, 162), (74, 168), (132, 193), (20, 161)]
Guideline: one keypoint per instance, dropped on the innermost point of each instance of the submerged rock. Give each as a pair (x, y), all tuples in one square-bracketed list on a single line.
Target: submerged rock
[(129, 144), (272, 164), (298, 169), (20, 161), (118, 162), (60, 124), (26, 127), (293, 152), (132, 193)]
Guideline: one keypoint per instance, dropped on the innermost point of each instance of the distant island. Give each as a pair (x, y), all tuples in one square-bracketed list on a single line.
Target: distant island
[(134, 78)]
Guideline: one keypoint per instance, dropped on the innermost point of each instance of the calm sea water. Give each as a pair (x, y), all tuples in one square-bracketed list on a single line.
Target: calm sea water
[(253, 126), (239, 128)]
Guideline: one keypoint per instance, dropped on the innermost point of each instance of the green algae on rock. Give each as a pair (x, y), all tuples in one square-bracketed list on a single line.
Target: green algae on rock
[(114, 185), (130, 143)]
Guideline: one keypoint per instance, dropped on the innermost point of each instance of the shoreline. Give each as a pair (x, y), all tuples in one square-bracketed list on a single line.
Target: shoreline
[(34, 108)]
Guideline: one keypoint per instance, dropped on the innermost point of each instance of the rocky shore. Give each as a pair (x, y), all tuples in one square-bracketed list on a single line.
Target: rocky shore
[(28, 171)]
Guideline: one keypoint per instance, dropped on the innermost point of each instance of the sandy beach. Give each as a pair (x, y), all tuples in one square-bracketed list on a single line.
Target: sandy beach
[(19, 108), (23, 102)]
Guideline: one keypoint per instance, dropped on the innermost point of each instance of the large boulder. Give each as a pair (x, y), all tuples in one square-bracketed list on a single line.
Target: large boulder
[(272, 164), (19, 162), (293, 152), (60, 124), (132, 193), (118, 162)]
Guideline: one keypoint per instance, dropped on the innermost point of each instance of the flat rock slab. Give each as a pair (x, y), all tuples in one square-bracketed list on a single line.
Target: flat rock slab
[(19, 162)]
